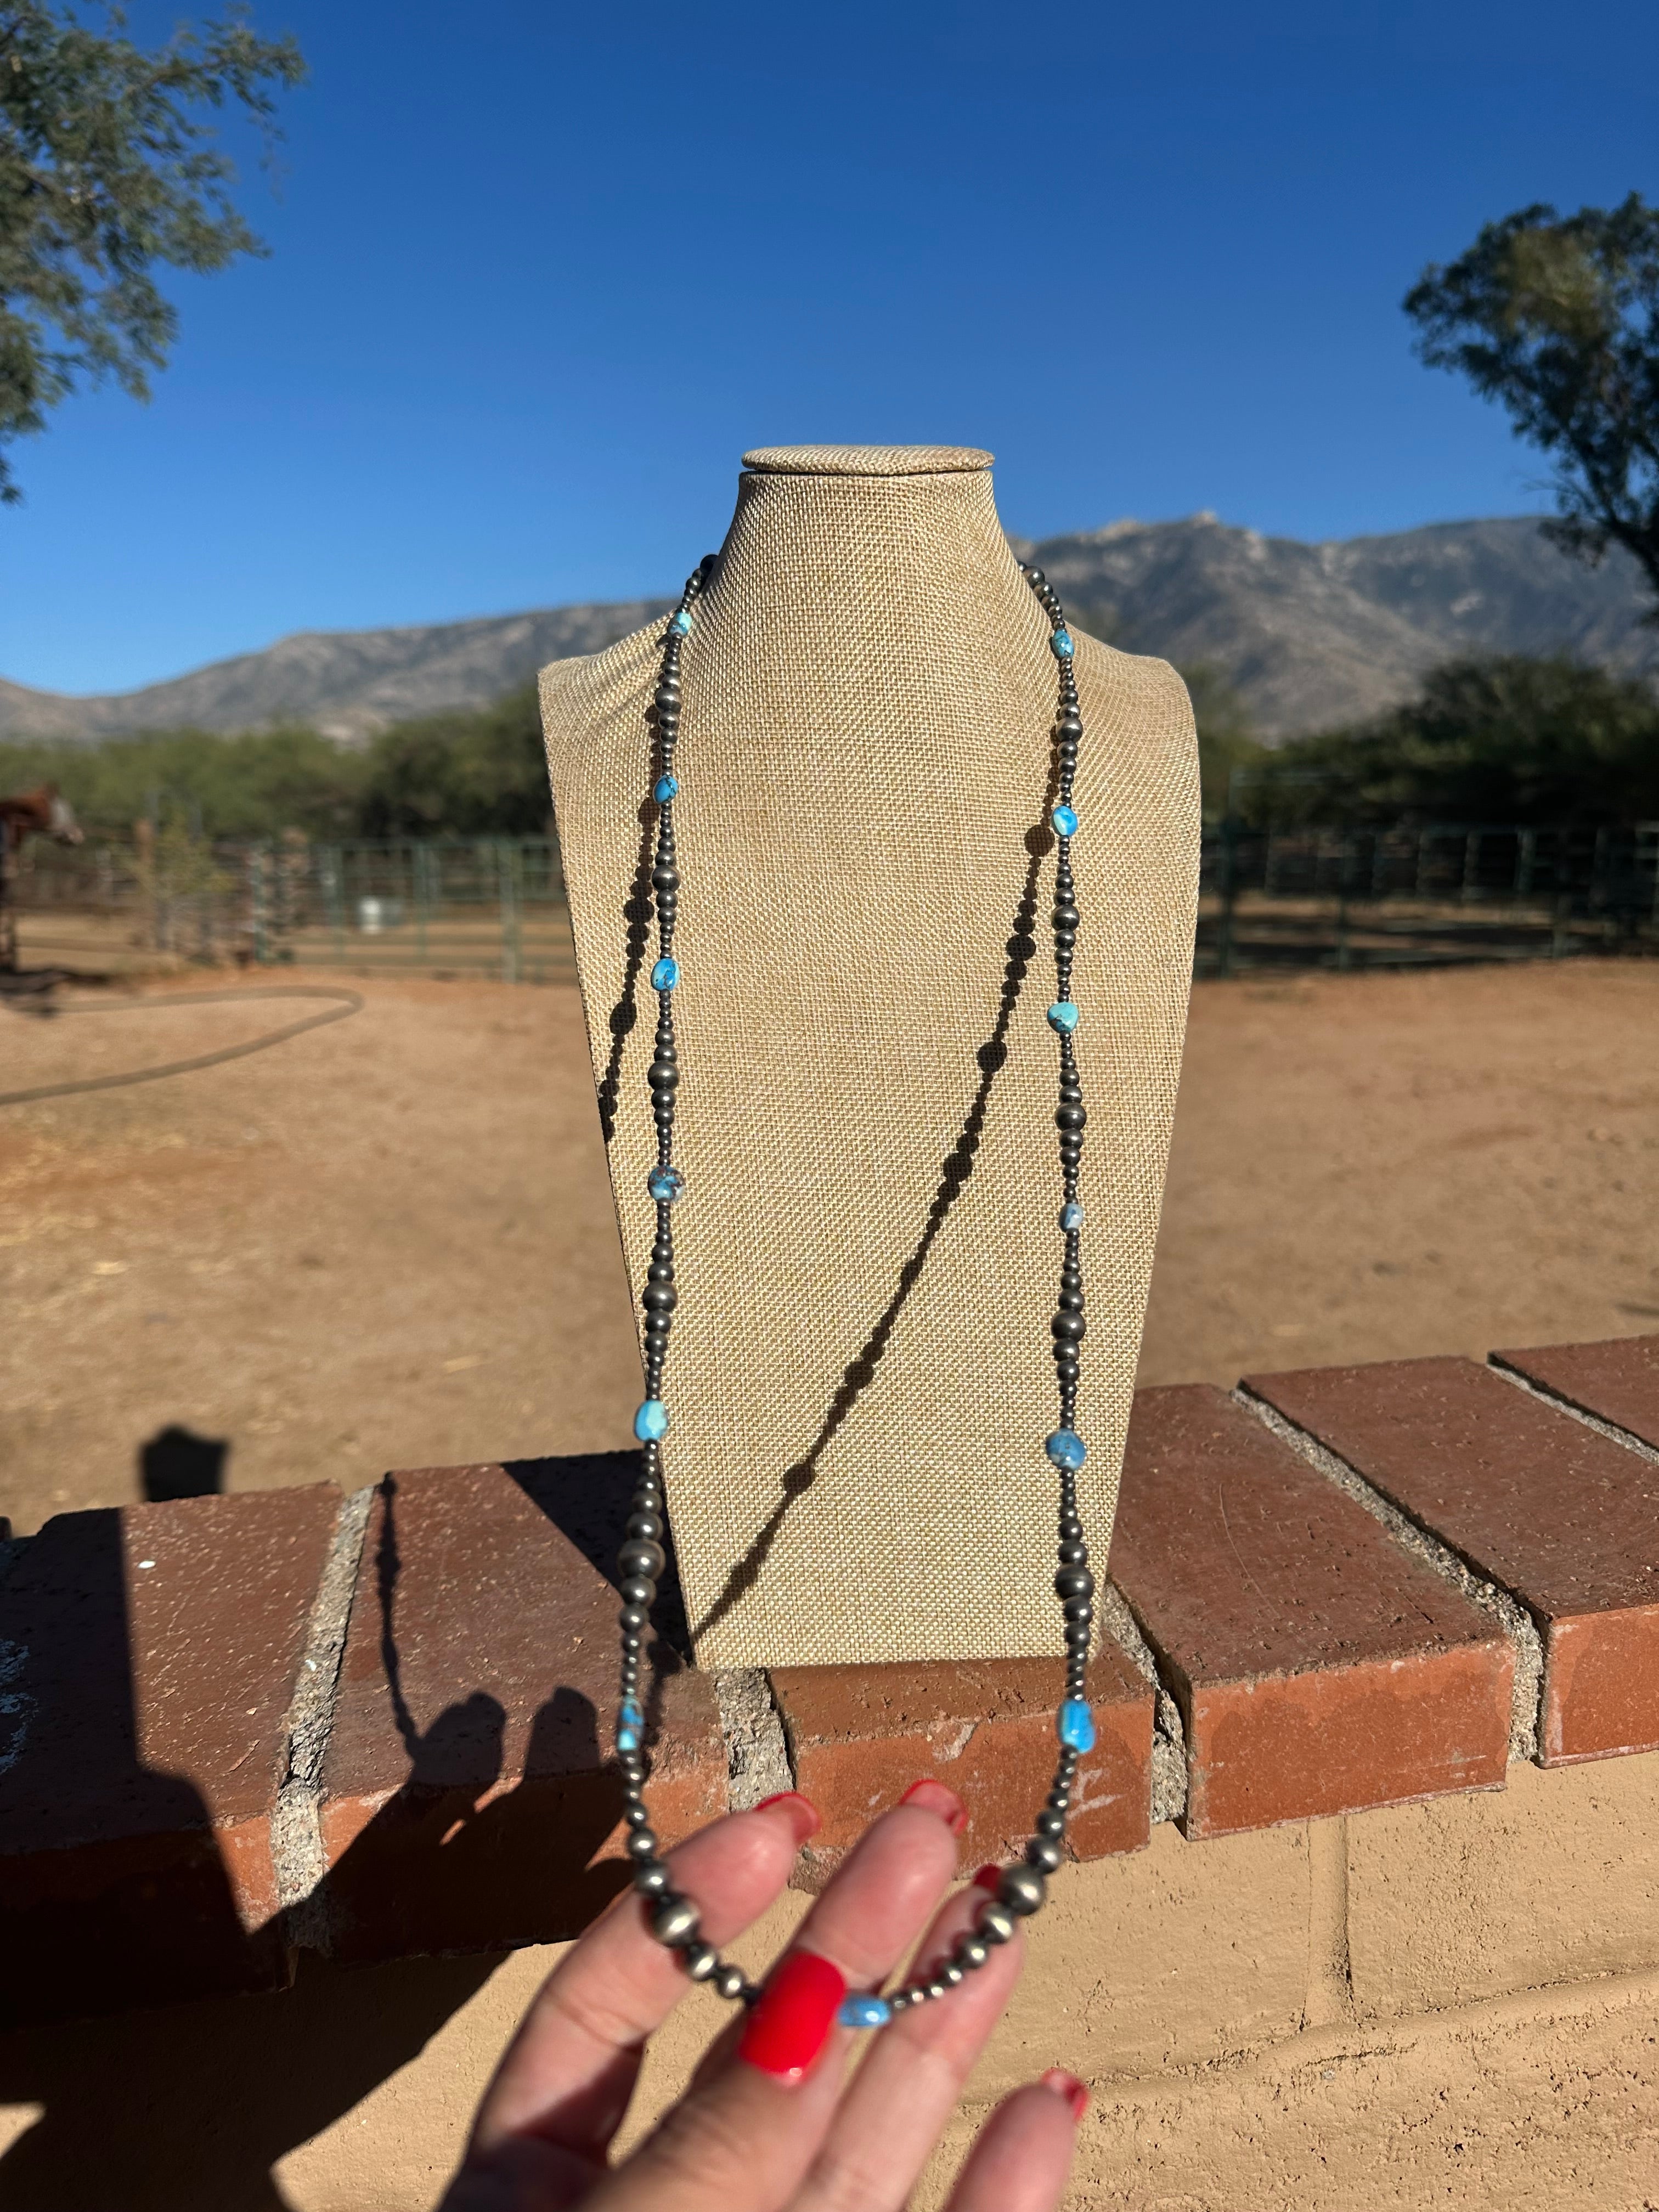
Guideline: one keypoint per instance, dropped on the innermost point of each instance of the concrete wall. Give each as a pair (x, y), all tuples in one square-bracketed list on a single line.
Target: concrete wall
[(1453, 2003)]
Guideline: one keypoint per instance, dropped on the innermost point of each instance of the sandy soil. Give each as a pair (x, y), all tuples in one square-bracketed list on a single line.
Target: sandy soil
[(390, 1242), (1377, 1167)]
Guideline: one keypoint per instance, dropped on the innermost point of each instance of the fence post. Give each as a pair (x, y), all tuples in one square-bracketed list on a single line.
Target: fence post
[(1344, 887), (1599, 900), (328, 871), (422, 885), (1223, 945), (259, 902), (507, 869)]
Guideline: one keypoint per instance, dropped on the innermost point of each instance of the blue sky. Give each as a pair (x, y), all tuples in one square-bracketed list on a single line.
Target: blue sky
[(541, 273)]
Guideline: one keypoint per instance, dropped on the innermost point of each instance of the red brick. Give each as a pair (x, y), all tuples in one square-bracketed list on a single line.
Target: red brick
[(859, 1736), (150, 1659), (1565, 1517), (1319, 1667), (468, 1800), (1618, 1380)]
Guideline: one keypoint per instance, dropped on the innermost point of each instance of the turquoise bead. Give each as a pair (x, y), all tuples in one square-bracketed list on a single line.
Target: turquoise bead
[(664, 1185), (1074, 1724), (651, 1422), (665, 789), (1071, 1215), (681, 624), (1061, 644), (1066, 1449), (1065, 820), (1062, 1015), (865, 2012), (632, 1713), (628, 1739), (664, 975)]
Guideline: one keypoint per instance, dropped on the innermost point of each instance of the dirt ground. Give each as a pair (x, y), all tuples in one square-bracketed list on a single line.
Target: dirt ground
[(390, 1242)]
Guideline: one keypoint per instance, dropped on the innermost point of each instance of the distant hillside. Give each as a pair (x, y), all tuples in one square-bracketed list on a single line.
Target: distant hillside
[(348, 684), (1312, 636)]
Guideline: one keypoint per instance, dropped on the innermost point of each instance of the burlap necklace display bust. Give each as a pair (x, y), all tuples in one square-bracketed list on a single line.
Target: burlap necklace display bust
[(860, 1373)]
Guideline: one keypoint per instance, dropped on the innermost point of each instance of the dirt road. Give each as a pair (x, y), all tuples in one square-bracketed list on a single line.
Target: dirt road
[(390, 1242)]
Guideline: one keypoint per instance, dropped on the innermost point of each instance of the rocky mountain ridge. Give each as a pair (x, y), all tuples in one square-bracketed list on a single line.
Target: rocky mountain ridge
[(1312, 636), (1317, 636), (348, 684)]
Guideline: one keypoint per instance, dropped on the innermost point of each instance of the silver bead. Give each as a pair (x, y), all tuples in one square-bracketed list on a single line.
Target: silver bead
[(675, 1921), (642, 1844), (728, 1981), (702, 1960), (650, 1878), (971, 1951), (1022, 1890), (1043, 1853), (937, 1989), (951, 1973), (996, 1924)]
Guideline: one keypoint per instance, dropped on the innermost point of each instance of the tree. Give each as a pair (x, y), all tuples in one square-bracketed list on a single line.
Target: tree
[(470, 773), (105, 176), (1226, 740), (1506, 739), (1557, 318), (254, 786)]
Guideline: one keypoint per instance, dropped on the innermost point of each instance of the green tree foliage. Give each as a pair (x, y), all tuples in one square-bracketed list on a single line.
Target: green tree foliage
[(460, 775), (1557, 318), (1509, 739), (107, 175), (1226, 741), (249, 786), (1505, 739)]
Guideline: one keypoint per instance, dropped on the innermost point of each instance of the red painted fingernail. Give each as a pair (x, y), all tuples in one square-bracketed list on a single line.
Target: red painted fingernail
[(791, 2024), (1068, 2088), (933, 1797), (802, 1812), (989, 1877)]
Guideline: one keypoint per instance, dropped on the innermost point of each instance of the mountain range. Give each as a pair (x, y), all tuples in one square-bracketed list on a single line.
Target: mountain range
[(1311, 636), (346, 683)]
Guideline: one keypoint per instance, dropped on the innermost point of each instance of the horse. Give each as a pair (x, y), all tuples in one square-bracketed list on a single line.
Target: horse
[(43, 812)]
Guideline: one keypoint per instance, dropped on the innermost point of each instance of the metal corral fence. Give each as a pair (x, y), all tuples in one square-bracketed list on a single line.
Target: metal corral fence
[(1302, 897), (486, 906), (1426, 894)]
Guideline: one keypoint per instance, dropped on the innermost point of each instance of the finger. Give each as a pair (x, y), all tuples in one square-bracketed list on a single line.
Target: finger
[(1023, 2154), (870, 1959), (569, 2071), (743, 2140), (907, 2088)]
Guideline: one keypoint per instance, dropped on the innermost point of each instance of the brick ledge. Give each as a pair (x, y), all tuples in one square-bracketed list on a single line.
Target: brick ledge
[(235, 1727)]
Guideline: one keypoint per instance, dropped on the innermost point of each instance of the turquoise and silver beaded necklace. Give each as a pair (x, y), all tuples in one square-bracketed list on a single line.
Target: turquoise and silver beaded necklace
[(1021, 1889)]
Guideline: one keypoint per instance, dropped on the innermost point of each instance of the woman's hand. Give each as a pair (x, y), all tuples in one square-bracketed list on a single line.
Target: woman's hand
[(774, 2122)]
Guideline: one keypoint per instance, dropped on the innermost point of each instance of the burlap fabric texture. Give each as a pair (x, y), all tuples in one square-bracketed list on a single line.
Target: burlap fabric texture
[(861, 1377)]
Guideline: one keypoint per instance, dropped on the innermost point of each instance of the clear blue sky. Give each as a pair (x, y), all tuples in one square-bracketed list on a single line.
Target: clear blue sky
[(541, 273)]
